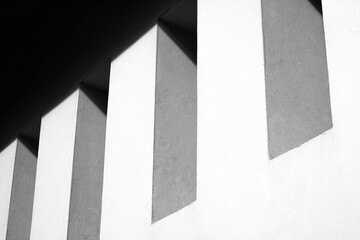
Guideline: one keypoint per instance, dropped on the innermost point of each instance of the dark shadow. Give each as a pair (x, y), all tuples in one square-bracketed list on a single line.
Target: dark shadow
[(96, 86), (104, 32), (100, 78), (180, 24), (182, 15), (317, 5), (30, 143), (186, 41), (98, 96), (30, 136), (32, 129)]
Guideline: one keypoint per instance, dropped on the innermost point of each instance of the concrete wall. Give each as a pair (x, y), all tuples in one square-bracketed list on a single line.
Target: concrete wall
[(310, 192)]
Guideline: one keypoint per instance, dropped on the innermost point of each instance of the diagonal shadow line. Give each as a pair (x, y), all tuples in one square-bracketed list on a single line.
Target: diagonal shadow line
[(317, 5), (99, 97), (185, 40), (31, 144)]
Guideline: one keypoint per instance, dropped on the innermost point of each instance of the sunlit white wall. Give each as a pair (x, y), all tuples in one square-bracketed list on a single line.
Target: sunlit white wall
[(311, 192)]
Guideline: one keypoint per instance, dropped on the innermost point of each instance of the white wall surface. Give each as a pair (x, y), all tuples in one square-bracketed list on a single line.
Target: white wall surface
[(311, 192), (128, 165), (7, 161), (54, 171)]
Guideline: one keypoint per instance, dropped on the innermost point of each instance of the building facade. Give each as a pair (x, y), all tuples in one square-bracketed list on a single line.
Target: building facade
[(199, 120)]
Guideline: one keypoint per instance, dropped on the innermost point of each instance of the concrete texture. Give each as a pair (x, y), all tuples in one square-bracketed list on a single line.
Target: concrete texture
[(174, 173), (182, 20), (88, 164), (296, 75), (22, 193)]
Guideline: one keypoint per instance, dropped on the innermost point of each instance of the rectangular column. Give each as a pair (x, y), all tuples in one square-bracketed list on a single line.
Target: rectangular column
[(22, 192), (7, 162), (54, 171), (126, 206), (70, 170), (174, 180), (88, 164)]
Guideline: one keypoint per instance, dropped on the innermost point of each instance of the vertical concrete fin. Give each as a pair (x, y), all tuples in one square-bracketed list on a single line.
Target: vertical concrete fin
[(175, 137), (126, 205), (88, 164), (54, 170), (296, 75), (22, 193)]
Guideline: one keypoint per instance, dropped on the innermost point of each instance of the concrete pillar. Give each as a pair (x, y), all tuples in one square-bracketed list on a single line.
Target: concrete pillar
[(70, 169), (88, 164), (174, 179), (22, 191), (54, 171), (126, 206)]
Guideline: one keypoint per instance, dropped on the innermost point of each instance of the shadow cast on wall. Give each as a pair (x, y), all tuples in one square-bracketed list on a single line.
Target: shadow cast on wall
[(317, 5)]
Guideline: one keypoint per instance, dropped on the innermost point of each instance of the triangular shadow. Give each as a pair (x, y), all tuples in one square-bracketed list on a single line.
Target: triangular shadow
[(100, 78), (180, 23), (185, 40), (99, 97), (317, 5), (30, 143)]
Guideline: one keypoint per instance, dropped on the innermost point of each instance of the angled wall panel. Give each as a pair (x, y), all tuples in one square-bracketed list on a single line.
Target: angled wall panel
[(296, 75)]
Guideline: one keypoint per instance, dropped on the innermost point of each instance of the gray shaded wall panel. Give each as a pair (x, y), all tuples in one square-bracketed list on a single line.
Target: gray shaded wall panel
[(22, 193), (87, 176), (296, 76), (174, 173)]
